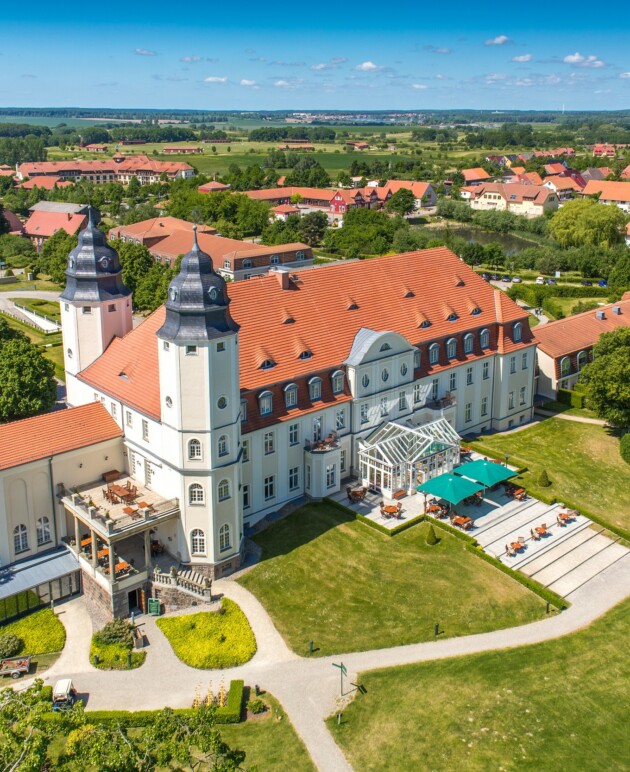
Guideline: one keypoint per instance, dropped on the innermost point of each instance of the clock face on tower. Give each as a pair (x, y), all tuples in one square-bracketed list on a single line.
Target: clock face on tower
[(104, 263), (213, 293)]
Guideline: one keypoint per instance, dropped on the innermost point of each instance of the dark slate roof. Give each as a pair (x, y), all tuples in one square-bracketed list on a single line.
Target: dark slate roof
[(197, 304), (94, 272)]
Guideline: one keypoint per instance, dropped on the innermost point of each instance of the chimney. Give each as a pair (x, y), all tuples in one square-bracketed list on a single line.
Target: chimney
[(616, 310), (283, 276), (600, 314)]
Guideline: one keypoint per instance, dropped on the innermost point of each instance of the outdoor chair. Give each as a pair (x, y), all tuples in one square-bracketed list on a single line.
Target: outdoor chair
[(561, 523), (521, 540), (535, 536)]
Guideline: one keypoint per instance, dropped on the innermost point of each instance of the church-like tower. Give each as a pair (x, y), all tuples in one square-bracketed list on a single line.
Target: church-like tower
[(200, 412), (95, 305)]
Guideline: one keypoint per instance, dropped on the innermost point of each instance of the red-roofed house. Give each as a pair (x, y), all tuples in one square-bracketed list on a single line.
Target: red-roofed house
[(45, 183), (625, 174), (212, 187), (604, 151), (564, 187), (96, 148), (475, 176), (526, 200), (118, 169), (555, 168), (40, 226), (423, 191), (284, 211), (617, 193)]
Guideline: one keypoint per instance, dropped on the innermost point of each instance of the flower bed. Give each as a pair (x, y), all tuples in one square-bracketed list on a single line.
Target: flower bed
[(211, 639), (111, 647), (40, 632)]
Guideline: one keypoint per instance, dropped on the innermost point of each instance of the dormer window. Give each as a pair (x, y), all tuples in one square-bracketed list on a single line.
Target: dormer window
[(265, 403), (426, 323), (434, 353), (517, 332), (306, 354), (386, 347), (300, 255), (267, 364), (291, 395), (451, 317), (247, 264), (227, 264), (275, 259), (476, 311), (451, 348), (484, 338), (337, 382), (315, 388)]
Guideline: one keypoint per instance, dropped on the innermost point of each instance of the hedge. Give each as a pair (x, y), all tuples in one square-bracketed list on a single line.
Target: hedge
[(624, 447), (228, 714), (371, 523), (572, 398), (531, 292)]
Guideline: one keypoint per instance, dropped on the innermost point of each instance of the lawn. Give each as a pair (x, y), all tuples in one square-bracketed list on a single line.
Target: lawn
[(113, 646), (39, 285), (560, 407), (566, 305), (211, 639), (553, 706), (582, 460), (269, 741), (42, 635), (333, 580), (49, 308), (50, 345)]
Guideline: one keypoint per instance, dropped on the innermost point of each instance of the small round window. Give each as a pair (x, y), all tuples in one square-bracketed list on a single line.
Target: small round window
[(385, 375), (222, 403), (365, 381), (403, 369), (169, 402)]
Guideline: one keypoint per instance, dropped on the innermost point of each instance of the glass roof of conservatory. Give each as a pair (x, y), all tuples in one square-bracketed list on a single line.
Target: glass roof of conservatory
[(396, 443)]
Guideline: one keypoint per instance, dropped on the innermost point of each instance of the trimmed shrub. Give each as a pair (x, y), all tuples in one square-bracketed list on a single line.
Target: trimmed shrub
[(112, 645), (543, 479), (10, 645), (432, 538), (116, 631), (572, 398), (624, 447), (256, 706)]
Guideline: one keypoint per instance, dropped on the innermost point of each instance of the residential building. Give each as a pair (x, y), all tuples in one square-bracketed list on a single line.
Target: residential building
[(284, 211), (118, 169), (555, 168), (596, 173), (566, 345), (183, 150), (40, 226), (96, 148), (564, 187), (617, 193), (45, 183), (526, 200), (423, 191), (318, 198), (604, 151), (475, 176)]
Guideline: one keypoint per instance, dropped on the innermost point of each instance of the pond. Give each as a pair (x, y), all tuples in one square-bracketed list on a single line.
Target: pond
[(510, 243)]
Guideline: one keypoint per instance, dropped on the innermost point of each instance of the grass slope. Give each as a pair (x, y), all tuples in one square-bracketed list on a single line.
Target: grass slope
[(347, 587), (553, 706), (582, 461), (211, 639), (49, 344)]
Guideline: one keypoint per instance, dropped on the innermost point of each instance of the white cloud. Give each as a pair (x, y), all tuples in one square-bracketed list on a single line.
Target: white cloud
[(524, 82), (282, 84), (522, 58), (625, 75), (418, 85), (495, 77), (246, 82), (438, 49), (216, 79), (339, 60), (368, 67), (190, 59), (145, 52), (499, 40), (321, 66), (577, 60)]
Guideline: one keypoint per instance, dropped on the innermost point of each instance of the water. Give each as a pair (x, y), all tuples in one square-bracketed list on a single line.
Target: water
[(510, 243)]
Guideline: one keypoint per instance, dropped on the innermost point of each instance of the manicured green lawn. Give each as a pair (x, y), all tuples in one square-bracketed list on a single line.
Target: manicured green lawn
[(582, 460), (46, 307), (337, 582), (211, 639), (566, 305), (38, 284), (113, 656), (553, 706), (269, 741), (560, 407), (42, 635)]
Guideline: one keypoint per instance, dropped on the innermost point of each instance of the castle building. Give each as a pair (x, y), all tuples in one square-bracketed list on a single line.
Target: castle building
[(223, 406)]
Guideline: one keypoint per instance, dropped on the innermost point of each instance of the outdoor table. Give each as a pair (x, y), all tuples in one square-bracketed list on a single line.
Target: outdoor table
[(541, 529), (462, 521), (516, 545), (143, 505), (391, 509), (86, 542), (124, 494), (129, 510)]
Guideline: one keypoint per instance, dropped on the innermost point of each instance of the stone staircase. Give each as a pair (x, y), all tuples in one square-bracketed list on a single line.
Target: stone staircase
[(183, 580)]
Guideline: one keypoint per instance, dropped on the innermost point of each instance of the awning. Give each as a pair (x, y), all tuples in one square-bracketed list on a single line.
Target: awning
[(31, 572), (485, 472), (450, 487)]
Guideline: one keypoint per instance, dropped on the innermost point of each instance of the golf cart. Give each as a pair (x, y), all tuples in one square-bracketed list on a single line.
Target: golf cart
[(64, 695)]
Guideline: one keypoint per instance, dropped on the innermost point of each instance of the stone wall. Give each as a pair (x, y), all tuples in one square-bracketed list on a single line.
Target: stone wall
[(173, 598), (99, 600)]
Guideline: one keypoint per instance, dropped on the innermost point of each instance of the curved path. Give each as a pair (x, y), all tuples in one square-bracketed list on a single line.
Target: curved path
[(307, 688)]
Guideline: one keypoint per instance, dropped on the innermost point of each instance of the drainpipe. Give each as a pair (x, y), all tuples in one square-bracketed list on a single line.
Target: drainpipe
[(53, 499)]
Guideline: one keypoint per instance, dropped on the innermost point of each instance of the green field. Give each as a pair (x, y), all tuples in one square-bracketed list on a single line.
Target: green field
[(50, 344), (329, 578), (566, 305), (553, 706), (582, 460)]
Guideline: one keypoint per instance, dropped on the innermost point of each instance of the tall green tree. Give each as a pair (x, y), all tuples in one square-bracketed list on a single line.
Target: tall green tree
[(402, 202), (27, 380), (53, 258), (312, 228), (607, 378), (136, 262), (585, 221)]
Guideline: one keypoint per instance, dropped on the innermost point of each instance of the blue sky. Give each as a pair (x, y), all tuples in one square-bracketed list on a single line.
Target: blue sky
[(370, 55)]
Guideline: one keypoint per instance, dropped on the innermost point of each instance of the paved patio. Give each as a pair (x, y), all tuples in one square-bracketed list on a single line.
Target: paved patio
[(412, 506)]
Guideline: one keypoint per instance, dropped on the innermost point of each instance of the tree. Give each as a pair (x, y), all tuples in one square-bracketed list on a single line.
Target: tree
[(431, 538), (9, 333), (134, 187), (543, 479), (28, 380), (136, 262), (402, 202), (607, 378), (619, 276), (585, 221), (312, 228), (53, 258)]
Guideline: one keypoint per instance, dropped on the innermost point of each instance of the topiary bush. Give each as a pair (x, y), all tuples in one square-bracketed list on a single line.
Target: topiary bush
[(543, 479), (432, 538), (624, 447), (256, 706), (116, 631), (10, 645)]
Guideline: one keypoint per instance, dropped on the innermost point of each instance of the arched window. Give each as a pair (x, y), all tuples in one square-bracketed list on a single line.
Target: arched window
[(315, 388), (267, 364), (198, 542), (194, 449), (69, 352), (484, 338), (195, 494), (223, 490), (468, 343), (223, 445), (20, 538), (247, 263), (582, 359), (386, 347), (434, 353), (300, 255), (517, 332), (451, 348), (224, 537), (306, 354), (291, 395), (417, 359), (275, 259), (337, 381), (265, 402), (565, 366), (43, 531)]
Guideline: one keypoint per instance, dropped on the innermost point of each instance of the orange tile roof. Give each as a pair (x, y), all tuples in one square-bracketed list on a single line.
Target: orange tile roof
[(129, 165), (45, 224), (518, 169), (44, 183), (531, 178), (158, 227), (581, 331), (610, 191), (419, 189), (555, 168), (515, 192), (396, 292), (273, 194), (475, 174), (54, 433), (286, 209), (563, 183), (212, 186)]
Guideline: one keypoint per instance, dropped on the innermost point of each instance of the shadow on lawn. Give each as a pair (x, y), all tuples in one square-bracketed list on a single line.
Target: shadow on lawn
[(297, 529)]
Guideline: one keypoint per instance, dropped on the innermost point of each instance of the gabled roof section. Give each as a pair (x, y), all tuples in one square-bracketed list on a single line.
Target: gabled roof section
[(51, 434)]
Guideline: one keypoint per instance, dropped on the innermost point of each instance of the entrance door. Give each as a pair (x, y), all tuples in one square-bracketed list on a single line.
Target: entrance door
[(132, 599), (317, 429)]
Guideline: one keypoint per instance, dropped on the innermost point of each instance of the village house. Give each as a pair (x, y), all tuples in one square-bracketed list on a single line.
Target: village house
[(318, 198), (564, 187), (44, 183), (423, 191), (182, 150), (555, 168), (284, 211), (617, 193), (96, 148), (566, 345), (475, 176), (604, 151), (40, 226), (526, 200)]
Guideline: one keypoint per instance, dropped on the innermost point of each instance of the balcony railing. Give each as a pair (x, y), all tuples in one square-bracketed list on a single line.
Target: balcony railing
[(441, 404), (331, 442)]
